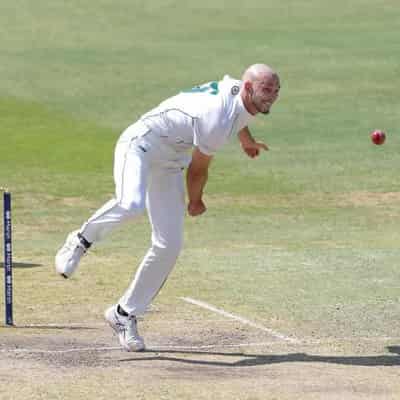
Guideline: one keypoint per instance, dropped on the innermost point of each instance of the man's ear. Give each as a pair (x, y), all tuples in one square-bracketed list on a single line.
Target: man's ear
[(249, 87)]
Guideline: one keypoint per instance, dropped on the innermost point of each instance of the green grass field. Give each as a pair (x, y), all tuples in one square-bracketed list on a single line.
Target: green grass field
[(304, 240)]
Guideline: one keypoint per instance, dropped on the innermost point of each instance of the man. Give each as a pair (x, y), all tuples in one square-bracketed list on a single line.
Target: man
[(149, 160)]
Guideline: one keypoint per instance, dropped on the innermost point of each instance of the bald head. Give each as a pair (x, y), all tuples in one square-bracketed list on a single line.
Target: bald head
[(257, 72), (260, 88)]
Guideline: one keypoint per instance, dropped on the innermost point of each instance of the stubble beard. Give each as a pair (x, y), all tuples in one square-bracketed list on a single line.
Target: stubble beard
[(259, 106)]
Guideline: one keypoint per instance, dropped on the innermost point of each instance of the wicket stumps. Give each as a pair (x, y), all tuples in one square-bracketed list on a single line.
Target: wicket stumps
[(8, 288)]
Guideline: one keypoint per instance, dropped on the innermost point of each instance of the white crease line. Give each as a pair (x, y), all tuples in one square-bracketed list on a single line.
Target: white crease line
[(60, 326), (153, 348), (103, 324), (240, 319), (211, 346), (76, 350)]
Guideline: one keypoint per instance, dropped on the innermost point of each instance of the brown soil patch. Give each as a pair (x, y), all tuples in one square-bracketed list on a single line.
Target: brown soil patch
[(185, 354), (370, 199)]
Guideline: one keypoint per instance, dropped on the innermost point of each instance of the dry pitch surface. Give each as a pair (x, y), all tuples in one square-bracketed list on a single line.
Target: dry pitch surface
[(193, 355)]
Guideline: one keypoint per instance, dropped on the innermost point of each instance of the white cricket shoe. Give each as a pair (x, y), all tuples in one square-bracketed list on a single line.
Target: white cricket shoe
[(126, 329), (68, 257)]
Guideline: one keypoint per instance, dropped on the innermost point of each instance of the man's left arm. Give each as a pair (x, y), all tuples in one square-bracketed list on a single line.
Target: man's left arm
[(249, 145)]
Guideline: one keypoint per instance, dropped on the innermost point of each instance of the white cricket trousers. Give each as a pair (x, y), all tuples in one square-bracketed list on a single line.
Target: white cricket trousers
[(148, 174)]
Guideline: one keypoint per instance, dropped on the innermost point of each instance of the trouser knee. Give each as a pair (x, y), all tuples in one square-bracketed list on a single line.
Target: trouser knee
[(169, 250), (132, 208)]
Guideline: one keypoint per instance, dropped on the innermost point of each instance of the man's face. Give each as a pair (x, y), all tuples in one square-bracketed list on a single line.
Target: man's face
[(265, 93)]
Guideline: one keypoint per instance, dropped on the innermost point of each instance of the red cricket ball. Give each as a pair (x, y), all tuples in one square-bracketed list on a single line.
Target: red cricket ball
[(378, 137)]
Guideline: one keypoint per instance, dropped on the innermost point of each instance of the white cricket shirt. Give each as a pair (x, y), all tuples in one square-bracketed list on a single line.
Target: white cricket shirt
[(206, 116)]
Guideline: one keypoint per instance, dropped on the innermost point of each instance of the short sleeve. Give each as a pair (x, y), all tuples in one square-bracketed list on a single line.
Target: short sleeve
[(207, 136)]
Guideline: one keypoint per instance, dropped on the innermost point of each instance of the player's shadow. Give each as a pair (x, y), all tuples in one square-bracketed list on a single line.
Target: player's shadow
[(22, 265), (251, 360)]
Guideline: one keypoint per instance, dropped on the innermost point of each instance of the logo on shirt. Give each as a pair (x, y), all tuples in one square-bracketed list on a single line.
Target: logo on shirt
[(235, 90)]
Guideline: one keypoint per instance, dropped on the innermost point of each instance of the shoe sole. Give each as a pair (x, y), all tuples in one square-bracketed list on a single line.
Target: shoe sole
[(60, 271), (58, 259), (63, 272)]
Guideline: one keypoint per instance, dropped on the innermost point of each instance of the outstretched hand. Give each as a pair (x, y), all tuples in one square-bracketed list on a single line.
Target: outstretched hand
[(252, 149)]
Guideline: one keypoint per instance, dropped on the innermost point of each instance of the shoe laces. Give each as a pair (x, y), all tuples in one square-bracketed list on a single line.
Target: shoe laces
[(78, 245), (126, 323), (119, 322), (131, 326)]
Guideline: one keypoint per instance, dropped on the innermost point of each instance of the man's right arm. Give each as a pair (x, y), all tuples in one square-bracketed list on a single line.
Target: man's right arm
[(196, 179)]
